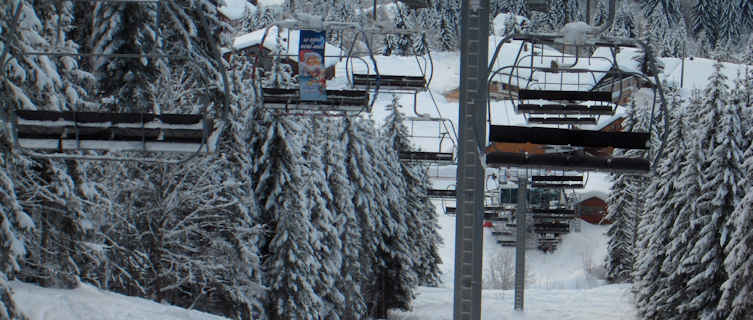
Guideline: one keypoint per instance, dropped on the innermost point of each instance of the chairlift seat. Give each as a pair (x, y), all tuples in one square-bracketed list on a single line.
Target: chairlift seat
[(560, 211), (450, 210), (352, 101), (433, 157), (552, 178), (507, 243), (389, 82), (69, 130), (566, 161), (562, 95), (551, 227), (441, 193), (568, 137), (416, 4), (561, 120), (558, 185), (564, 109), (540, 217)]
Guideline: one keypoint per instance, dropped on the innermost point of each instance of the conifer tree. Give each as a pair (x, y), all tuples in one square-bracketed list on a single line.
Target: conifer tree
[(736, 292), (290, 264), (418, 216), (326, 240), (651, 274), (363, 175), (352, 276), (670, 9), (720, 133), (688, 183), (625, 206)]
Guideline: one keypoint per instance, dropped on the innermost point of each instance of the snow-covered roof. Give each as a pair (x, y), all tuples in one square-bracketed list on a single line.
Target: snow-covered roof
[(236, 9), (288, 41), (579, 197)]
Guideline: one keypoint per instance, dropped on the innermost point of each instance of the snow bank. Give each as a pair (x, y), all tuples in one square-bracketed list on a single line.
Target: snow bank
[(89, 303)]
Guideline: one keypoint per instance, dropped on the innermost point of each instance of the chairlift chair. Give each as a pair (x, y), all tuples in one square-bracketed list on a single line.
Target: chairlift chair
[(59, 132), (559, 91), (443, 153), (441, 193), (551, 227), (558, 182)]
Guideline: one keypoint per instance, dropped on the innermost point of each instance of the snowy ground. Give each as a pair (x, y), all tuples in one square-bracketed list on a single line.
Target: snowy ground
[(89, 303), (558, 286)]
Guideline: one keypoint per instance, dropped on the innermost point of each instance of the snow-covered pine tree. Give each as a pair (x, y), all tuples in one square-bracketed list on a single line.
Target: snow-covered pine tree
[(289, 258), (401, 44), (363, 175), (688, 184), (244, 273), (15, 225), (625, 206), (397, 279), (326, 240), (619, 260), (37, 81), (736, 290), (650, 277), (648, 62), (746, 14), (449, 16), (719, 131), (424, 235), (350, 230), (706, 20), (669, 9)]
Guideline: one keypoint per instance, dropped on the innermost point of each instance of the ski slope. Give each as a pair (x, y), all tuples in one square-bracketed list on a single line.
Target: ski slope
[(557, 286)]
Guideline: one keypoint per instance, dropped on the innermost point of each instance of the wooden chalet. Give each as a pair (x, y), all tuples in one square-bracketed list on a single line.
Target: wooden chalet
[(592, 207), (622, 85)]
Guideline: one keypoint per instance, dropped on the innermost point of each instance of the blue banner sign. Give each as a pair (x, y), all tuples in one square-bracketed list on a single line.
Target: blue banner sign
[(311, 70)]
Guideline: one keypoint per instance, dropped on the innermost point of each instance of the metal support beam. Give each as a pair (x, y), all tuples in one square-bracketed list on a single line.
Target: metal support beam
[(520, 249), (474, 44)]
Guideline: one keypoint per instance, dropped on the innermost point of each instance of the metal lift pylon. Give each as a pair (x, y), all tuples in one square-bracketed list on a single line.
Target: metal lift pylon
[(474, 44)]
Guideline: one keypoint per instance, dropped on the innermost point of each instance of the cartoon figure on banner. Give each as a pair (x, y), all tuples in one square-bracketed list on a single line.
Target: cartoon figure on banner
[(313, 84), (313, 68)]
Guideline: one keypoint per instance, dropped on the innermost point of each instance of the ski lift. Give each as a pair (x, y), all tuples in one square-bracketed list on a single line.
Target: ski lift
[(558, 182), (438, 148), (316, 98), (551, 227), (441, 193), (393, 83), (560, 85), (58, 132), (575, 144)]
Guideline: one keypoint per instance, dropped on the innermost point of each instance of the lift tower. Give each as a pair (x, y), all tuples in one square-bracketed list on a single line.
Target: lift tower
[(474, 44)]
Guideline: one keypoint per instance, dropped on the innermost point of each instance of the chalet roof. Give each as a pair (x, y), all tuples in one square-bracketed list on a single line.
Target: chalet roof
[(236, 9), (580, 197), (288, 41)]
